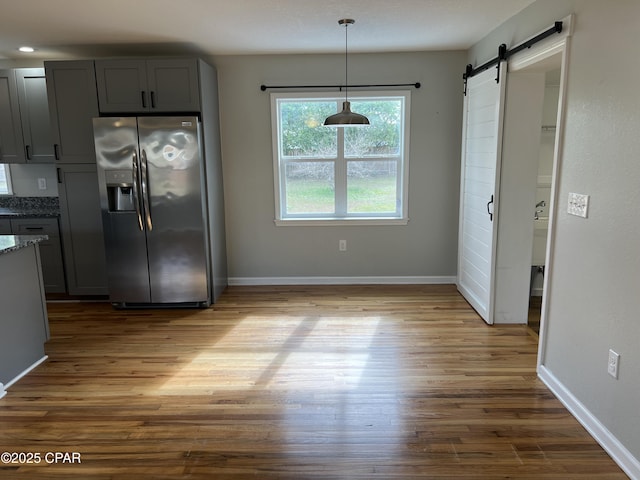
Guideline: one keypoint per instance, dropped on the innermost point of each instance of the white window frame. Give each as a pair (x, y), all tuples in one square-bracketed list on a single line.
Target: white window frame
[(7, 174), (400, 218)]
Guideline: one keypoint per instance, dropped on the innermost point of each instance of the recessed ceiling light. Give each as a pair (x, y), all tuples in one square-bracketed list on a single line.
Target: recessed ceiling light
[(27, 49)]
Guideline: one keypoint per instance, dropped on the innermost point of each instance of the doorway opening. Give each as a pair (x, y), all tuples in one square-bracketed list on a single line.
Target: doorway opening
[(543, 196)]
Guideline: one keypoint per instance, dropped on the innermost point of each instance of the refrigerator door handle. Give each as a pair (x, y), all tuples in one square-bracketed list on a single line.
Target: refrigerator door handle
[(145, 190), (136, 189)]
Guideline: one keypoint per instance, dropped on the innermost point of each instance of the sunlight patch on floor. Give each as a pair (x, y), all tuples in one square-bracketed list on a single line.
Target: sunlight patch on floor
[(280, 353)]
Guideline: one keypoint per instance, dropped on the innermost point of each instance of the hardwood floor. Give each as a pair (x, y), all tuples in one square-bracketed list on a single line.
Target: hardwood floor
[(335, 382)]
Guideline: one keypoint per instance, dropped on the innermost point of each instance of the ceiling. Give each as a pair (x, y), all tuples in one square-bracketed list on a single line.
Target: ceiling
[(61, 29)]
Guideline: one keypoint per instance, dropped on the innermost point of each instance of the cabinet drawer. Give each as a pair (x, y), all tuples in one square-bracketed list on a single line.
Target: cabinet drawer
[(35, 226)]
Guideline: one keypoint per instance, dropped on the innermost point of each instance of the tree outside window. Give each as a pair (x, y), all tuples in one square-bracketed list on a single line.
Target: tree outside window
[(346, 173)]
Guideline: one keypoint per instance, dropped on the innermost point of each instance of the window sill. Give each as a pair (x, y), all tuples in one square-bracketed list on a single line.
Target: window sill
[(330, 222)]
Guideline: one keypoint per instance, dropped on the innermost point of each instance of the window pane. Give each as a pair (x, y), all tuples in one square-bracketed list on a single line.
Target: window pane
[(372, 187), (4, 182), (310, 187), (301, 131), (383, 137)]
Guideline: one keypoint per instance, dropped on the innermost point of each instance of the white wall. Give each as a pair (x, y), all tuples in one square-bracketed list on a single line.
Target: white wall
[(594, 274), (426, 247), (24, 180)]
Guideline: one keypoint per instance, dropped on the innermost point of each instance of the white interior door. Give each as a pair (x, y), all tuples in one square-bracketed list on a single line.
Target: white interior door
[(480, 173)]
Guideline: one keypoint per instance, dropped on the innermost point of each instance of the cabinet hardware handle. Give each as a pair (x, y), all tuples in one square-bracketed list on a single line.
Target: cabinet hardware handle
[(32, 229), (28, 149), (144, 99), (488, 210), (58, 175), (153, 99), (56, 151)]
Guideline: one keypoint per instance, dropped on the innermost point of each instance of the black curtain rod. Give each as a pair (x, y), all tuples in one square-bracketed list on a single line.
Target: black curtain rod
[(416, 85), (504, 53)]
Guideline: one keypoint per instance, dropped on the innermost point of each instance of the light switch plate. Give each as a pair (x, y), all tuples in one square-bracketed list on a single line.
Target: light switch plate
[(578, 205), (612, 364)]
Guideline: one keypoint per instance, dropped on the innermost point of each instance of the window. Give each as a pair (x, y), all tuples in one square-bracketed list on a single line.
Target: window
[(5, 180), (340, 175)]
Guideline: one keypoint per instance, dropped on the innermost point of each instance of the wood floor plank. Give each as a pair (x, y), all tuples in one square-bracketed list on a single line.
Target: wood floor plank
[(322, 382)]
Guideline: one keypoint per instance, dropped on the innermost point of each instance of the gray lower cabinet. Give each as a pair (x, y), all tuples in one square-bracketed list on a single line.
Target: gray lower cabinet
[(5, 226), (81, 225), (50, 249)]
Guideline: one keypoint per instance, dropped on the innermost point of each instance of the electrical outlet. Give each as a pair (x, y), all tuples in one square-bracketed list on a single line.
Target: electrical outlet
[(42, 183), (612, 365), (342, 245), (578, 205)]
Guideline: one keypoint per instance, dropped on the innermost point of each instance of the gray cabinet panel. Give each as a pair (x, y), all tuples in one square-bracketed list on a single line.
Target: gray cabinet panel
[(73, 102), (34, 115), (24, 324), (11, 146), (81, 225)]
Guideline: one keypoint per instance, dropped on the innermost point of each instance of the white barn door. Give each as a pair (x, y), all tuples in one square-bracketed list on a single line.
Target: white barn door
[(480, 174)]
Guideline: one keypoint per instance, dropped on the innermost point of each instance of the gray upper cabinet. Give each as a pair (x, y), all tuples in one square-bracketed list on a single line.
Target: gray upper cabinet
[(73, 102), (25, 128), (139, 86), (34, 115), (11, 146)]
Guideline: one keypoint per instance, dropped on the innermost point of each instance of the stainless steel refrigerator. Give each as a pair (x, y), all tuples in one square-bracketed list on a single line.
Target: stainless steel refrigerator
[(151, 175)]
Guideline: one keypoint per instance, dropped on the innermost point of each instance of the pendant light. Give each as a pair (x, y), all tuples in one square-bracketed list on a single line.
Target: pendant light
[(346, 117)]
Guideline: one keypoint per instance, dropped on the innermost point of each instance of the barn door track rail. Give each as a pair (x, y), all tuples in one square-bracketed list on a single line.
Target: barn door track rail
[(504, 53)]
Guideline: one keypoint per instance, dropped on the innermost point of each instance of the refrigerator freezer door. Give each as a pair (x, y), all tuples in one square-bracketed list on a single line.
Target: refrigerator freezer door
[(116, 141), (171, 160)]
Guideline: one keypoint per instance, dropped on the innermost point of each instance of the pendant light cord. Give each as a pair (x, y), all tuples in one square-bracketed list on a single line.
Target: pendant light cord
[(346, 62)]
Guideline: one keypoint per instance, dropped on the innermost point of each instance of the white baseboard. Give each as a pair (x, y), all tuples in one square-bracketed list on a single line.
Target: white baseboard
[(3, 392), (625, 460), (410, 280), (20, 375)]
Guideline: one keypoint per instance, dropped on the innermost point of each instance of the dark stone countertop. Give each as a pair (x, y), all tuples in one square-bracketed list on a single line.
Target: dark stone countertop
[(29, 212), (9, 243), (29, 207)]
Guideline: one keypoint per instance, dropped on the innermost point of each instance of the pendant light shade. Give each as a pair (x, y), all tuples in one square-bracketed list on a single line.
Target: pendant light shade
[(346, 117)]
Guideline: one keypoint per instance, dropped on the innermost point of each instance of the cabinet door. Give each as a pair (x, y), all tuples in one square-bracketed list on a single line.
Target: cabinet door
[(73, 102), (34, 115), (81, 224), (122, 86), (5, 226), (50, 250), (174, 85), (11, 147)]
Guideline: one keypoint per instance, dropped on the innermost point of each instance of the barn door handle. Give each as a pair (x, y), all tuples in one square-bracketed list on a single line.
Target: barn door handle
[(490, 202)]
